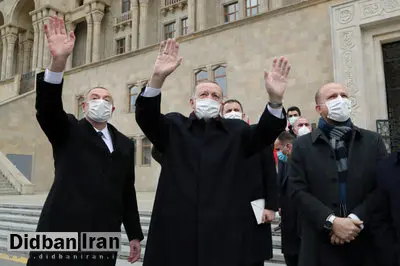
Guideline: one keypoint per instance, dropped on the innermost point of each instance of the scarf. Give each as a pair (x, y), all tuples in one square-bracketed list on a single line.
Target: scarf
[(338, 137)]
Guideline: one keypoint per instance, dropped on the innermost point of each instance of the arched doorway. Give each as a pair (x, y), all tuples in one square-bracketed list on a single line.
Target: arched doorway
[(23, 52), (79, 53)]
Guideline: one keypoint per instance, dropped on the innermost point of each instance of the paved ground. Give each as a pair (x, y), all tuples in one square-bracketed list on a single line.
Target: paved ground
[(145, 200)]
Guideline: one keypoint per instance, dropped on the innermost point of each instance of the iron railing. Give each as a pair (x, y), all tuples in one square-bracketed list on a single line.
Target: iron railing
[(171, 2), (390, 132), (124, 17), (27, 82)]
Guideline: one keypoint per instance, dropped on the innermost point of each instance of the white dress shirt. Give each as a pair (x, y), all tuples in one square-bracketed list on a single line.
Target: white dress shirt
[(56, 78)]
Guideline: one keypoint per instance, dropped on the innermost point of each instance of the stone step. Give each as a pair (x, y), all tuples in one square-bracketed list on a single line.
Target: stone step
[(32, 217)]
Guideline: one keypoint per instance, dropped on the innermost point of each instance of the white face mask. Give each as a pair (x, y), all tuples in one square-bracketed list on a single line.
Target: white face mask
[(207, 108), (303, 131), (293, 120), (233, 115), (339, 109), (99, 110)]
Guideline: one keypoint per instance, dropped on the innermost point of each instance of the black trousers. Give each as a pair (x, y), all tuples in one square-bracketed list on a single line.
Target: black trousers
[(292, 260)]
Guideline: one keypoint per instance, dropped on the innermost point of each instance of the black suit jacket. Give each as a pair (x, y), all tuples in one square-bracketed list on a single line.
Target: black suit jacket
[(315, 188), (200, 205), (93, 189)]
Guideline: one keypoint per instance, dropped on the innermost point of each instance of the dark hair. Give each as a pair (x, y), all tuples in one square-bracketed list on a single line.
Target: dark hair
[(294, 108), (285, 137), (234, 101)]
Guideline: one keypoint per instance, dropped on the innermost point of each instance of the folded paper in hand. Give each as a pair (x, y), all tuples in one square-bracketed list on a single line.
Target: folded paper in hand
[(258, 209)]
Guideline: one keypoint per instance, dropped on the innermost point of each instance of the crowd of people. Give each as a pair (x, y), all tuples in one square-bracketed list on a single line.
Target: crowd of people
[(334, 186)]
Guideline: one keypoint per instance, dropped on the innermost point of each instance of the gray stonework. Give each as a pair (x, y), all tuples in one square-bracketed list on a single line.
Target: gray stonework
[(302, 32)]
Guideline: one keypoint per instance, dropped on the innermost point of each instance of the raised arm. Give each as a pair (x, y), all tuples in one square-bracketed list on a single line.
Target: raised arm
[(49, 108), (148, 112), (273, 120)]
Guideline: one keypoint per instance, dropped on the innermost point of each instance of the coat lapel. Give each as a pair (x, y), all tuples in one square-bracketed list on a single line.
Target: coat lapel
[(92, 136)]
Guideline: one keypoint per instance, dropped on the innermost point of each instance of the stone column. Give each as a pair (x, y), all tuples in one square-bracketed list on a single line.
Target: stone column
[(40, 46), (264, 6), (128, 44), (242, 9), (89, 22), (28, 44), (20, 53), (178, 27), (276, 4), (144, 4), (70, 27), (201, 14), (46, 51), (97, 17), (11, 39), (192, 15), (4, 59), (35, 44), (135, 24)]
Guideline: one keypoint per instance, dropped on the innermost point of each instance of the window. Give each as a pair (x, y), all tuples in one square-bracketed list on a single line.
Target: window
[(231, 12), (201, 75), (126, 6), (146, 151), (220, 78), (133, 94), (252, 7), (80, 112), (121, 46), (169, 31), (184, 26)]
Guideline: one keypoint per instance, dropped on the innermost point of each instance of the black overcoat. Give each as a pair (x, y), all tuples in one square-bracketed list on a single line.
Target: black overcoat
[(314, 185), (200, 208), (93, 189)]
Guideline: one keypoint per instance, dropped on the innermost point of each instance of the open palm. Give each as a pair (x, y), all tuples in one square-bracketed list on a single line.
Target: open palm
[(276, 79), (60, 45), (167, 59)]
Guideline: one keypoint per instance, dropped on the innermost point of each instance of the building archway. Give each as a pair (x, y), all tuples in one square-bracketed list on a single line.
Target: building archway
[(23, 51)]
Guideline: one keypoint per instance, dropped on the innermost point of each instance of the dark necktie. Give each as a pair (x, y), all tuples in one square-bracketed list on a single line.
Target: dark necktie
[(100, 134)]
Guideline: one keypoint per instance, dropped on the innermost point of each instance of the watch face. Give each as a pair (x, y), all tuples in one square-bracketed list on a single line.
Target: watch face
[(328, 225)]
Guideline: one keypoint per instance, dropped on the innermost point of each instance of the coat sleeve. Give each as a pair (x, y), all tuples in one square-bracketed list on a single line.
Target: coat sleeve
[(270, 180), (257, 137), (131, 218), (156, 154), (309, 206), (50, 112), (153, 124), (364, 210)]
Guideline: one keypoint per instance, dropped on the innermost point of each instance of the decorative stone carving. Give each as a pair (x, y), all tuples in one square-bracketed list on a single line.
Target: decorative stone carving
[(391, 5), (345, 15), (346, 40), (370, 9)]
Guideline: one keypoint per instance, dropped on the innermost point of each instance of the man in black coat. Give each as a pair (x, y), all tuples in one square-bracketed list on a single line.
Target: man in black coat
[(200, 210), (93, 189), (333, 185), (261, 185), (289, 216), (386, 215)]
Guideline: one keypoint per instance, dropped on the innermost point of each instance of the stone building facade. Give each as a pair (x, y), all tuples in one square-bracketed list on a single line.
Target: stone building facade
[(230, 41)]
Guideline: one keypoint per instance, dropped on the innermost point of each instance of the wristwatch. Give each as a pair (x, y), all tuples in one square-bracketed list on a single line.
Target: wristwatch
[(329, 222)]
